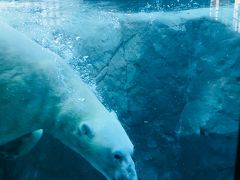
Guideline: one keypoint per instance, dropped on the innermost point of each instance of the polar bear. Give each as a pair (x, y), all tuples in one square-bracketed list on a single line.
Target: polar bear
[(40, 92)]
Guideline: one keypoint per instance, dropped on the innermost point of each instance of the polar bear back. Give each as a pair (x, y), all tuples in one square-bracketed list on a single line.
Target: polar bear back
[(34, 83)]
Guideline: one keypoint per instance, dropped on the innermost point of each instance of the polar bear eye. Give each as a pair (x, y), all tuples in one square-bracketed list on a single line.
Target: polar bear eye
[(85, 129)]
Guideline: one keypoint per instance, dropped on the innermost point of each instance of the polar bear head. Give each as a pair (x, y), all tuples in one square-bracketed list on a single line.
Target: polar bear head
[(103, 142)]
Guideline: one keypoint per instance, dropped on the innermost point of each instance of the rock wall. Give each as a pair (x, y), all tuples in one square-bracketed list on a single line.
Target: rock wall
[(175, 88)]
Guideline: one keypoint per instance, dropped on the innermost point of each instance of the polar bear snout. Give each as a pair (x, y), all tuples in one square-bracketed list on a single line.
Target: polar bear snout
[(129, 175), (126, 167)]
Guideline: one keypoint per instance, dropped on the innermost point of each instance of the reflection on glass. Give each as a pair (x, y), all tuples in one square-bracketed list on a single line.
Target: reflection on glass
[(236, 19), (214, 9), (51, 12)]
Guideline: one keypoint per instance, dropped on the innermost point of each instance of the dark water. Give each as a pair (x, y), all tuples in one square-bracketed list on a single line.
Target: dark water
[(172, 76)]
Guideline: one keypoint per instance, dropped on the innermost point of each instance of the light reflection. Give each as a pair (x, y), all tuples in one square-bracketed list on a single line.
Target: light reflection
[(214, 8), (51, 12), (236, 16), (215, 12)]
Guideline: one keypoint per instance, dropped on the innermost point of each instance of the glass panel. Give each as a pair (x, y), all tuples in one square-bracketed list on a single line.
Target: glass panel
[(169, 69)]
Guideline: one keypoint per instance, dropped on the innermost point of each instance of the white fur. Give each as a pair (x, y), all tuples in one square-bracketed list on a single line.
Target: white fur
[(38, 90)]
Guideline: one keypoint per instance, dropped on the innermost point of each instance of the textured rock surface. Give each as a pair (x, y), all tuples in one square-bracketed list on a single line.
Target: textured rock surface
[(175, 88)]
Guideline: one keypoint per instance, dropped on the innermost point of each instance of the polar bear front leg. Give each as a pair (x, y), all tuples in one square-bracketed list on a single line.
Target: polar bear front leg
[(20, 146)]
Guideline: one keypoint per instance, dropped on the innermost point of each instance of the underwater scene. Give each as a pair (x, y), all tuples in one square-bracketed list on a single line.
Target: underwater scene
[(119, 89)]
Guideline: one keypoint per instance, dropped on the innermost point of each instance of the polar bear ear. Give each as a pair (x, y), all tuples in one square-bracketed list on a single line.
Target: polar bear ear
[(85, 130)]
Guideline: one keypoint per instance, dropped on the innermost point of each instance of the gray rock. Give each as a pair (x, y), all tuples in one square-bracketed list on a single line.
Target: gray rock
[(175, 87)]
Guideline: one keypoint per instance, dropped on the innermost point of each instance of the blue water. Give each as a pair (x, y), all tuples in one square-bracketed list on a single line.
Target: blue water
[(170, 69)]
